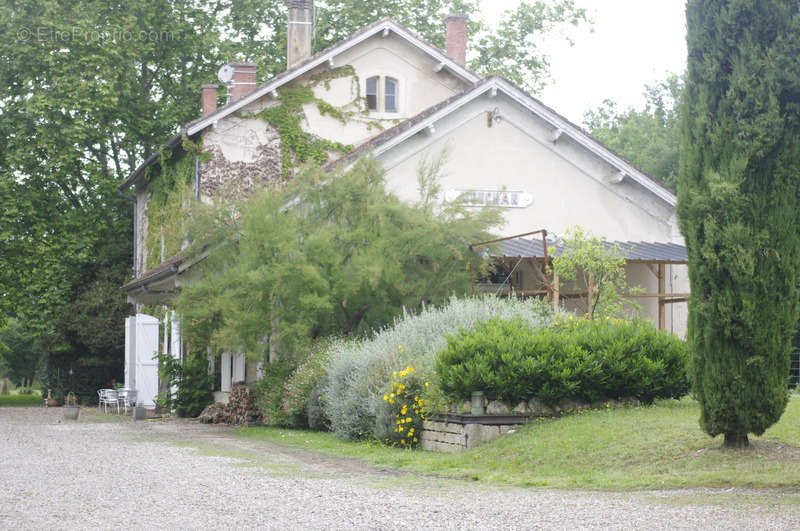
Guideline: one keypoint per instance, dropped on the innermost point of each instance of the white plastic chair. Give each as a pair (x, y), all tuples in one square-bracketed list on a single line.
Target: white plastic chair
[(127, 398), (111, 399), (101, 397)]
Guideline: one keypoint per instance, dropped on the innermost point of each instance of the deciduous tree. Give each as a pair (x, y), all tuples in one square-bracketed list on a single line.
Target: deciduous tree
[(330, 254), (650, 137)]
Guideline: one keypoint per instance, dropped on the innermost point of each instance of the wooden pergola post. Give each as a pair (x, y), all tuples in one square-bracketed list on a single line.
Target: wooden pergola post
[(662, 324), (556, 294)]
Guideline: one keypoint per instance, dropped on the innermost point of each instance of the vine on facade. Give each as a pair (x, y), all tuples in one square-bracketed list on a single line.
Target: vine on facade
[(170, 187), (299, 146), (171, 183)]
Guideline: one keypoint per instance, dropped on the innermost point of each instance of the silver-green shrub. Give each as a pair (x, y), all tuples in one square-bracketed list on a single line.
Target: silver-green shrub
[(360, 371)]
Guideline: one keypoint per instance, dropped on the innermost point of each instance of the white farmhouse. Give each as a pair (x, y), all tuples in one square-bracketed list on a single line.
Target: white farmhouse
[(387, 92)]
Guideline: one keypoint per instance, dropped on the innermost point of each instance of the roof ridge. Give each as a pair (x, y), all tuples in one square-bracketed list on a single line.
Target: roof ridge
[(385, 136)]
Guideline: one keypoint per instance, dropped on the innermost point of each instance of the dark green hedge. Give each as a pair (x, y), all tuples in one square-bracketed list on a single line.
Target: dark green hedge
[(577, 358)]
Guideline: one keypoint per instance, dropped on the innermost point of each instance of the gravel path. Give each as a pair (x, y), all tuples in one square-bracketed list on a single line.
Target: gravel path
[(179, 475)]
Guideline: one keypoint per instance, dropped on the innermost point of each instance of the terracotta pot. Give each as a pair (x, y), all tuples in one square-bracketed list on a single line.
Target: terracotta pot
[(53, 402)]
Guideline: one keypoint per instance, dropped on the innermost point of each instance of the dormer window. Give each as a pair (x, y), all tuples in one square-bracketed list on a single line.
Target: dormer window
[(382, 93)]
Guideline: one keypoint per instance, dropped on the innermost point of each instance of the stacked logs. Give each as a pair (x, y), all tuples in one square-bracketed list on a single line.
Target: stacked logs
[(239, 411), (242, 410)]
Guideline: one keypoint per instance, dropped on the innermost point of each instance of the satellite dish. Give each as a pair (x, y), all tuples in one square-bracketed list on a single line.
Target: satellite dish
[(225, 74)]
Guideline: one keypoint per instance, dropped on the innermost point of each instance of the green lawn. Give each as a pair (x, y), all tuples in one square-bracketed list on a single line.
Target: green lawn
[(34, 399), (631, 448)]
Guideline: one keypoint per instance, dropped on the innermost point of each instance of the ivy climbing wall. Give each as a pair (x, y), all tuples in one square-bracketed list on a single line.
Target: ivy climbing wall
[(169, 192), (314, 119)]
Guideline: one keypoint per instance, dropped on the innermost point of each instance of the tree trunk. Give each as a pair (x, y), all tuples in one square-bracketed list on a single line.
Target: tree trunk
[(736, 440)]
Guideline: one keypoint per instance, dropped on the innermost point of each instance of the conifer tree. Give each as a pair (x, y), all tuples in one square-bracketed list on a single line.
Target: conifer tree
[(738, 208)]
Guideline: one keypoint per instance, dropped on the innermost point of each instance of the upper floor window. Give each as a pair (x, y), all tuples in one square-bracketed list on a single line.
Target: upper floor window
[(382, 94), (390, 95), (372, 93)]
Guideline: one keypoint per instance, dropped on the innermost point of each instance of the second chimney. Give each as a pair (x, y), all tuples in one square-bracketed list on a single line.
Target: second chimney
[(457, 38), (208, 99), (300, 30), (244, 80)]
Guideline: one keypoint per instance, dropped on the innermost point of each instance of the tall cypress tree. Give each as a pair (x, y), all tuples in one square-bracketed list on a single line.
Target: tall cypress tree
[(739, 207)]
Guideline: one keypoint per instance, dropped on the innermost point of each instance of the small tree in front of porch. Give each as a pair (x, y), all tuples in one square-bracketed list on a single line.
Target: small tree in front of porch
[(599, 267)]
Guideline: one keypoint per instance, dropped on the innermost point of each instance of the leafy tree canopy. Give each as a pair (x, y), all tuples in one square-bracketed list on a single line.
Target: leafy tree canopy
[(20, 352), (512, 49), (329, 254), (650, 137)]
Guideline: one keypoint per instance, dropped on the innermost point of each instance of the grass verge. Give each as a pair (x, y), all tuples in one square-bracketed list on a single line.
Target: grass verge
[(619, 449), (14, 400)]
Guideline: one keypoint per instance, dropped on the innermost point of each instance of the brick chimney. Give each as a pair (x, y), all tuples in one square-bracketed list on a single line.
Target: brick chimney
[(244, 80), (300, 31), (457, 38), (208, 99)]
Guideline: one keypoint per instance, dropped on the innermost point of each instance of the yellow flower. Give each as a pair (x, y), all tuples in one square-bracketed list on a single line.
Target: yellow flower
[(415, 439), (386, 397), (391, 400), (408, 419), (394, 374), (409, 369), (427, 384)]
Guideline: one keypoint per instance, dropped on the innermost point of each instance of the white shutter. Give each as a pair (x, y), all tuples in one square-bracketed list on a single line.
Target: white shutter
[(225, 370), (130, 352), (239, 362), (175, 344), (146, 364), (175, 337)]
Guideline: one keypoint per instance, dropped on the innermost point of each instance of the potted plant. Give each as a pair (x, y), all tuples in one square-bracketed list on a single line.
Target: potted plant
[(71, 407), (50, 401)]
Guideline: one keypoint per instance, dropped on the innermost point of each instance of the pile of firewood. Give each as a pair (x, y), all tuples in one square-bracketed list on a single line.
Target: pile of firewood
[(239, 411), (242, 410)]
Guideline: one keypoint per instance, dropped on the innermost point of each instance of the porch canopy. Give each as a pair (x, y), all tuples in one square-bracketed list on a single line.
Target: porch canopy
[(509, 253)]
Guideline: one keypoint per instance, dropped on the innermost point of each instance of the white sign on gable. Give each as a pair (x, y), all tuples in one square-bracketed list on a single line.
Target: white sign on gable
[(498, 198)]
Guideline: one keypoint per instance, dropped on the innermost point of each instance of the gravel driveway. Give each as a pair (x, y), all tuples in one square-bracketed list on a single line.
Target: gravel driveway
[(121, 474)]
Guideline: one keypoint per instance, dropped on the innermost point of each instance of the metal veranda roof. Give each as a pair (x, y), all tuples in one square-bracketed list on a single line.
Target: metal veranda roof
[(633, 251)]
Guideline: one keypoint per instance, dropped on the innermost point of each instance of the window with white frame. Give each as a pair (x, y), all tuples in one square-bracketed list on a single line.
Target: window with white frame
[(383, 94), (372, 93), (390, 95)]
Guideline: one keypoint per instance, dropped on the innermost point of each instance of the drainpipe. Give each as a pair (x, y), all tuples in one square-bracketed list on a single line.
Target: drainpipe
[(196, 177), (135, 227)]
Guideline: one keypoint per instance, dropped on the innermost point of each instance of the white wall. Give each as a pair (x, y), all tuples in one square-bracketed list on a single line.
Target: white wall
[(569, 185), (420, 87)]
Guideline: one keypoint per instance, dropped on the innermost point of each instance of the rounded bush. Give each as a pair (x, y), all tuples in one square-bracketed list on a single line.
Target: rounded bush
[(585, 359)]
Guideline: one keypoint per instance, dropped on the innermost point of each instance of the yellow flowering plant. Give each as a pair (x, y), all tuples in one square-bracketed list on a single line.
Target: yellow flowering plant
[(406, 409)]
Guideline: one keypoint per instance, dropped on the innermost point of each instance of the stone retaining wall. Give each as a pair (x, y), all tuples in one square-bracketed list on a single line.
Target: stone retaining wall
[(469, 431), (453, 437)]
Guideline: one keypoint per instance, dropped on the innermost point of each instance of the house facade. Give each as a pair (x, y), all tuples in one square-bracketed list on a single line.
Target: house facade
[(385, 91)]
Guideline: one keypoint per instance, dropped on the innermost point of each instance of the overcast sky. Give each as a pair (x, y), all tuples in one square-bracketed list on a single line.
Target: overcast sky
[(630, 44)]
